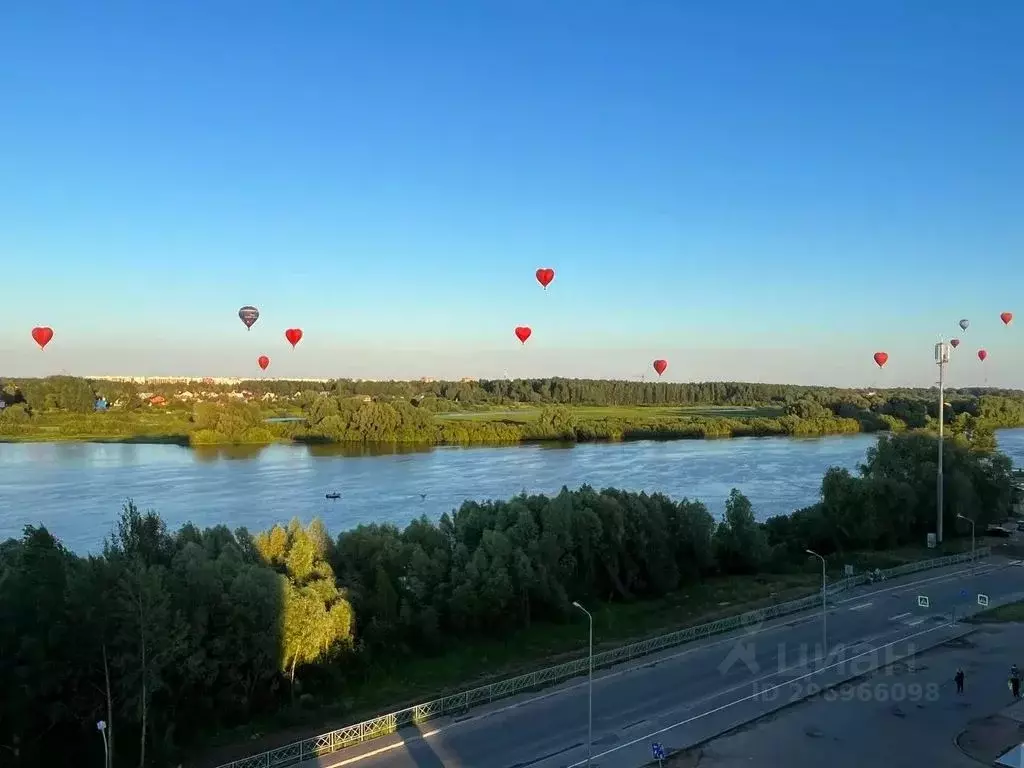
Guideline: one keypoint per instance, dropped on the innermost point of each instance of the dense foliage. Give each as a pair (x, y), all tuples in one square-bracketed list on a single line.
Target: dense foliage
[(62, 407), (167, 636)]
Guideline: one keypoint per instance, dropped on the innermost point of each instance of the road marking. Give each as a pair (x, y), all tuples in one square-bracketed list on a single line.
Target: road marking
[(914, 623), (748, 698), (899, 616), (381, 751), (941, 578), (867, 642), (639, 664), (861, 607)]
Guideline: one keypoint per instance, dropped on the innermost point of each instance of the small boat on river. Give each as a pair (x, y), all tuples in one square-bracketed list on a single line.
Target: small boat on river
[(334, 495)]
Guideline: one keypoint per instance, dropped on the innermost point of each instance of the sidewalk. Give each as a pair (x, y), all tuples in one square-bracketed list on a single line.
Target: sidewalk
[(905, 716)]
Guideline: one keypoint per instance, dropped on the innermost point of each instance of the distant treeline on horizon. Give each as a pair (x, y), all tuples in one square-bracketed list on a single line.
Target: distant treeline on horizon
[(562, 390)]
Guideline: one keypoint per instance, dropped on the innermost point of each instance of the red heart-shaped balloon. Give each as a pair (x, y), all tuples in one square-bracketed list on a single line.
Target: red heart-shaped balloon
[(660, 366), (523, 332), (294, 336), (41, 335), (881, 358), (545, 275)]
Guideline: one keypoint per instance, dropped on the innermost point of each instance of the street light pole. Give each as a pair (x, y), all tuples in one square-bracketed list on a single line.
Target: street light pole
[(101, 726), (824, 613), (972, 537), (590, 683), (941, 359)]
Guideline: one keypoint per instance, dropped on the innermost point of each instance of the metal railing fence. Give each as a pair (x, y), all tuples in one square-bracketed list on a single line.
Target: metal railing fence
[(459, 703)]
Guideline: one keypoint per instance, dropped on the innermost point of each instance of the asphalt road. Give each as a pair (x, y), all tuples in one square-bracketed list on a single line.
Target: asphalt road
[(912, 713), (690, 692)]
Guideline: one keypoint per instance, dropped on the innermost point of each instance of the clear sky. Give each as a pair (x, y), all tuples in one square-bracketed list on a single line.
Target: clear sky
[(768, 190)]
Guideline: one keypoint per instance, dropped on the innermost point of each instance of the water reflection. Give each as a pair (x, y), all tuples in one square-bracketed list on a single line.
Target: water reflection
[(358, 450), (209, 453), (77, 489)]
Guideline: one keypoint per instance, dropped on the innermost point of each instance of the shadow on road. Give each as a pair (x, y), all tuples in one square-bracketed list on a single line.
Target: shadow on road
[(421, 753)]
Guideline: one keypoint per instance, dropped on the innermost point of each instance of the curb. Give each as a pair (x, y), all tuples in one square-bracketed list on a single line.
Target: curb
[(964, 626), (964, 752), (792, 702)]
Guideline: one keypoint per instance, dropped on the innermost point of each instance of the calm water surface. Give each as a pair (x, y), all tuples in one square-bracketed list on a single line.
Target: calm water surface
[(77, 489)]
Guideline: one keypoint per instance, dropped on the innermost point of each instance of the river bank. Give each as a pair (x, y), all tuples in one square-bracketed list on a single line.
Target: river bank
[(248, 424)]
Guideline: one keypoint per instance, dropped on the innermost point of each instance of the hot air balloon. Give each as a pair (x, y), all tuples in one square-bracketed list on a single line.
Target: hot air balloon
[(263, 361), (1006, 317), (982, 354), (545, 275), (660, 366), (42, 335), (954, 343), (964, 323), (881, 358), (248, 315), (294, 336), (523, 332)]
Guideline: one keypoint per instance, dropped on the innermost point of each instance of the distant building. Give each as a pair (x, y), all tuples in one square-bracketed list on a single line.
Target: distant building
[(158, 400)]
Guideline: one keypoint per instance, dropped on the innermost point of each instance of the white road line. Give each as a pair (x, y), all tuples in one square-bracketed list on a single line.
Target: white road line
[(640, 664), (899, 616), (867, 642), (914, 623), (732, 638), (380, 751), (938, 579), (861, 607), (748, 698)]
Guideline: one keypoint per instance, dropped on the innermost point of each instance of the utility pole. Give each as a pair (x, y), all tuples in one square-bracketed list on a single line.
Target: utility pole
[(824, 607), (590, 684), (941, 359)]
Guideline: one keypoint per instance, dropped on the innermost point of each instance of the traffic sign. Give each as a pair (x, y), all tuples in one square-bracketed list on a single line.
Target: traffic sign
[(922, 601), (658, 750), (983, 601), (963, 593)]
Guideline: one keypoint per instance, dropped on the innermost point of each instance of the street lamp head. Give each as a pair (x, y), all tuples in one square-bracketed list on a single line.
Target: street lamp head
[(812, 552), (576, 605), (101, 726)]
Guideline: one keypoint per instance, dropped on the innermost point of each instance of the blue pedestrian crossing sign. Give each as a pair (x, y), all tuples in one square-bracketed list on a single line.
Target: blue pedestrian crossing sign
[(658, 750)]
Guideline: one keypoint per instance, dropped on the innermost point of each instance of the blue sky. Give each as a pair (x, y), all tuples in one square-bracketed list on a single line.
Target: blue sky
[(756, 190)]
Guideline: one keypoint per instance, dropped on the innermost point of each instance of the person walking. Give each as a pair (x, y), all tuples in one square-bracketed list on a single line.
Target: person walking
[(1015, 681), (959, 679)]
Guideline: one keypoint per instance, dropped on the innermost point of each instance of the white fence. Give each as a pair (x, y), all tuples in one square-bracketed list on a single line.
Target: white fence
[(292, 754)]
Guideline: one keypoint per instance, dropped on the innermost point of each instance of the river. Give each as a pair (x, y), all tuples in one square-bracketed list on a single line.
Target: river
[(77, 489)]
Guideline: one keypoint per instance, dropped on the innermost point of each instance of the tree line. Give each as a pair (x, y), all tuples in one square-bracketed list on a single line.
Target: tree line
[(169, 637), (77, 394), (432, 413)]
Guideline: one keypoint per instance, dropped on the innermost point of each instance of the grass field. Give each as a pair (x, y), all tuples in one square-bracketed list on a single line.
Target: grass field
[(149, 426), (640, 413), (1002, 614)]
